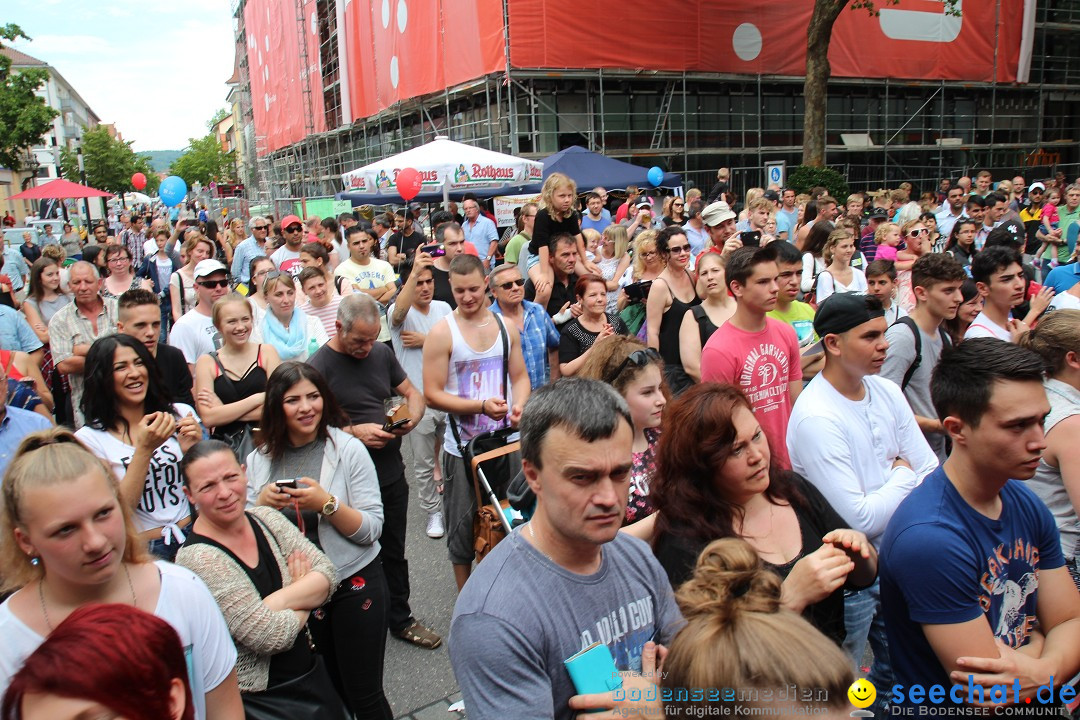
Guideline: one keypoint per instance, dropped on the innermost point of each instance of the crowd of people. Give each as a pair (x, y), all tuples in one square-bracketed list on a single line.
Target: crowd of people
[(756, 438)]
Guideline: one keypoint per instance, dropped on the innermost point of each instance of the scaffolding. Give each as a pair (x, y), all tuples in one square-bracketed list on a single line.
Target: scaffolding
[(879, 132)]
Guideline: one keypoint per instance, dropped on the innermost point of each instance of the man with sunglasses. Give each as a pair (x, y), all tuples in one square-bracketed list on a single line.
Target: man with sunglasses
[(287, 257), (254, 246), (194, 333), (539, 337)]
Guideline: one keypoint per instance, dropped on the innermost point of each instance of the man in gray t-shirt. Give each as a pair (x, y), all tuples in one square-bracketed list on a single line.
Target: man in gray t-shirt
[(567, 579), (411, 319), (936, 280)]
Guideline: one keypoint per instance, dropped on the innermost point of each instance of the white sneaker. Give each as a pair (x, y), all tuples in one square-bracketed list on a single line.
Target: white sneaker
[(435, 527)]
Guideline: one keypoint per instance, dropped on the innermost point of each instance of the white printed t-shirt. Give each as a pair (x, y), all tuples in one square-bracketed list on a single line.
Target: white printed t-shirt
[(194, 334), (162, 503), (184, 602)]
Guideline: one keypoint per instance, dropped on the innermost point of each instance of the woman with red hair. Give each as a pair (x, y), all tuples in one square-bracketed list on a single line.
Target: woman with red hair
[(103, 659), (714, 480)]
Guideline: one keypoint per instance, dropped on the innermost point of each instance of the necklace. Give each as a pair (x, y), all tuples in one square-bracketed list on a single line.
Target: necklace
[(474, 324), (45, 613)]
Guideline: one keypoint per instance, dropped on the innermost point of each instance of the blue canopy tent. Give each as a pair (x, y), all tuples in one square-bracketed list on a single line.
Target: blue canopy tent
[(586, 168), (589, 170)]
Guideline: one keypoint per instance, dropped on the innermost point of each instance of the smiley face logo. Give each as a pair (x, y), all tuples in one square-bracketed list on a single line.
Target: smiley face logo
[(862, 693)]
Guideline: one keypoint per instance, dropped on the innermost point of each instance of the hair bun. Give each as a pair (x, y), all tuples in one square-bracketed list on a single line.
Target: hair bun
[(729, 578)]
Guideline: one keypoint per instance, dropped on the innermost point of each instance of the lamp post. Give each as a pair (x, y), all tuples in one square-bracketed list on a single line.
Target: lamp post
[(82, 176)]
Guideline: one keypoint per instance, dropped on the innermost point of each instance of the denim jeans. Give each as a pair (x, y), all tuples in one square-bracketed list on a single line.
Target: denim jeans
[(864, 622)]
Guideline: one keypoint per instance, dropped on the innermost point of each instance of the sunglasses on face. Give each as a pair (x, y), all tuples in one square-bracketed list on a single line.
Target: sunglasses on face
[(294, 228), (214, 284), (507, 285), (678, 249), (260, 227), (918, 232), (638, 358)]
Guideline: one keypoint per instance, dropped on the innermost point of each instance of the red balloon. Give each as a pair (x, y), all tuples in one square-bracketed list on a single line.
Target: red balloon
[(409, 183), (138, 181)]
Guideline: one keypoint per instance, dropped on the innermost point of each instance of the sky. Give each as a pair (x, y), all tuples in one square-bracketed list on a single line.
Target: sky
[(156, 69)]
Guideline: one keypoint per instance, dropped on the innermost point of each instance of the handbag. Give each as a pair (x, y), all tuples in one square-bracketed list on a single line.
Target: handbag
[(312, 695)]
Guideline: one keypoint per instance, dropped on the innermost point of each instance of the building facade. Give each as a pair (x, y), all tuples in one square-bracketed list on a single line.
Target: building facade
[(913, 97)]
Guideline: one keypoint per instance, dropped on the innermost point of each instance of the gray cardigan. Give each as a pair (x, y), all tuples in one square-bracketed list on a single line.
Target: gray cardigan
[(348, 473), (258, 631)]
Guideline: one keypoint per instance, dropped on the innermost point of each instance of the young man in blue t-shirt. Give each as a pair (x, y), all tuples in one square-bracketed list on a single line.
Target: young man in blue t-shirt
[(973, 581)]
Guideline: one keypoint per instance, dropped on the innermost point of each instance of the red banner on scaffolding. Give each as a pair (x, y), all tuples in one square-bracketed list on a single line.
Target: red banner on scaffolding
[(400, 49), (278, 100), (914, 39)]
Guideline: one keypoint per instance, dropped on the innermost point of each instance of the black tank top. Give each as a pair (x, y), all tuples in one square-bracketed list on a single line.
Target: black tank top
[(670, 324), (252, 381)]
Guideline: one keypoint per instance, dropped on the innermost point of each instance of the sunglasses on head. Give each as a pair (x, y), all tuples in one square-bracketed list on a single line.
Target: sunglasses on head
[(638, 359), (214, 284), (520, 282)]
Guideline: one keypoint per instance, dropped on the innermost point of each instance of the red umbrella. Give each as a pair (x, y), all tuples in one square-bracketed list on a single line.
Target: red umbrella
[(59, 189)]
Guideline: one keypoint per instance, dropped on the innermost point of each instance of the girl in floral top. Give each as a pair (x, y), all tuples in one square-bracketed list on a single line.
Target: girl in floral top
[(637, 373)]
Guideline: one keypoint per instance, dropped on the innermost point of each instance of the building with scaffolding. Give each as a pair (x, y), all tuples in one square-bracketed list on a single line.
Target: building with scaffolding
[(916, 95)]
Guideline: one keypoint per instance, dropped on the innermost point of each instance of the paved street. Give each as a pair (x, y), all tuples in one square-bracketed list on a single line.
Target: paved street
[(419, 682)]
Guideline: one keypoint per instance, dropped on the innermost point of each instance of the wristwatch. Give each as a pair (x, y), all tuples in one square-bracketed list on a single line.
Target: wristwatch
[(330, 506)]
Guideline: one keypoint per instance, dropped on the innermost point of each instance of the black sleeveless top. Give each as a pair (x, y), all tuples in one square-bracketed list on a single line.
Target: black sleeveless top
[(670, 324), (705, 325), (252, 381)]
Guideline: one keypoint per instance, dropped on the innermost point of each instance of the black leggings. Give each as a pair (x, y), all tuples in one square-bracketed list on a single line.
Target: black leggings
[(350, 633)]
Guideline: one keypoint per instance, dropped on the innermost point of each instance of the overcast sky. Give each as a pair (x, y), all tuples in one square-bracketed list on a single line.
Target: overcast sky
[(156, 69)]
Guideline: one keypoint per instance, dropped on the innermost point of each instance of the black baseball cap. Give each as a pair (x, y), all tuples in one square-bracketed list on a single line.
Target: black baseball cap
[(841, 312)]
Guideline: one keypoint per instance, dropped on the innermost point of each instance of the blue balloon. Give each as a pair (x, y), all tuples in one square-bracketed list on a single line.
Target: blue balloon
[(656, 176), (172, 190)]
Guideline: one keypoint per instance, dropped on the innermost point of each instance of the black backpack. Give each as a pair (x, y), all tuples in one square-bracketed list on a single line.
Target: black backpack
[(946, 342)]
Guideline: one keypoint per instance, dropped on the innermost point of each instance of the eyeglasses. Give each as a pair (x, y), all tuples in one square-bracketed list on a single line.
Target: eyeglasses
[(120, 259), (648, 254), (507, 285), (294, 228), (678, 249), (917, 232), (214, 284), (638, 358)]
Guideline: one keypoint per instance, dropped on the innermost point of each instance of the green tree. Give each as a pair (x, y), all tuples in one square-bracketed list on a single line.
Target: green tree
[(109, 162), (815, 89), (24, 117), (204, 161)]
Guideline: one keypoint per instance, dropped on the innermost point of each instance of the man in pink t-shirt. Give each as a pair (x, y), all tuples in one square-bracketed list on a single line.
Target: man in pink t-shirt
[(756, 353)]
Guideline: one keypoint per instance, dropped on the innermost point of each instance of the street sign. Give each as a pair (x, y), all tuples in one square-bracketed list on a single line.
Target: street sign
[(775, 172)]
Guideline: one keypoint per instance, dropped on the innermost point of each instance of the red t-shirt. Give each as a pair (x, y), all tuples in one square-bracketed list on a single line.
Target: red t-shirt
[(761, 364)]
